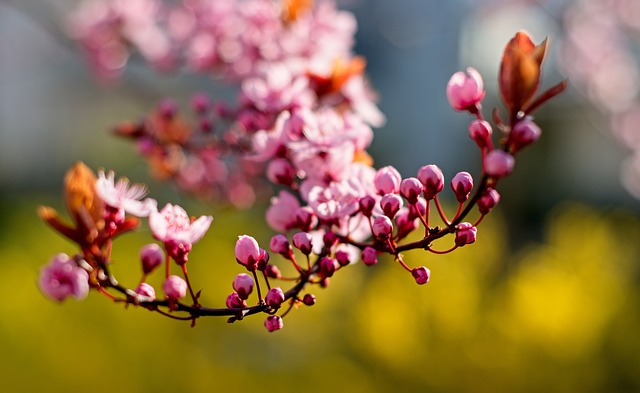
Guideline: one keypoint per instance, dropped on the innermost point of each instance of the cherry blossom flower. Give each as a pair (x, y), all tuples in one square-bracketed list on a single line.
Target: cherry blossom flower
[(122, 195)]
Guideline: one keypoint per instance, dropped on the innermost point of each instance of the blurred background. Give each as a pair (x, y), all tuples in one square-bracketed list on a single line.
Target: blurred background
[(548, 299)]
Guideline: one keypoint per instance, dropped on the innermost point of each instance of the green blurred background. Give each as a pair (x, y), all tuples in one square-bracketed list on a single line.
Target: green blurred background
[(548, 299)]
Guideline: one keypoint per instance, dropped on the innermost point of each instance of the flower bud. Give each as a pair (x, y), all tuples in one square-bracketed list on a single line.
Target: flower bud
[(329, 239), (305, 218), (433, 180), (151, 256), (462, 184), (405, 223), (465, 91), (174, 287), (248, 252), (280, 171), (274, 297), (369, 256), (418, 209), (524, 133), (410, 189), (146, 290), (273, 323), (382, 227), (280, 244), (272, 271), (366, 204), (303, 242), (234, 301), (243, 284), (421, 274), (390, 204), (342, 257), (328, 266), (488, 200), (499, 163), (309, 299), (465, 234), (63, 278), (480, 131), (387, 180)]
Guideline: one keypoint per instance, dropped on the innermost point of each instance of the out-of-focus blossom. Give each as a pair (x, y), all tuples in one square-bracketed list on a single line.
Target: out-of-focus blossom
[(63, 278), (175, 287), (122, 195)]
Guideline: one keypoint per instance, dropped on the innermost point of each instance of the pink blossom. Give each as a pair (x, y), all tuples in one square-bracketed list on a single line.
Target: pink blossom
[(524, 133), (480, 131), (488, 200), (175, 287), (462, 184), (499, 163), (177, 231), (280, 244), (410, 189), (63, 278), (121, 195), (248, 252), (382, 227), (273, 323), (433, 180), (281, 215), (421, 275), (235, 301), (151, 256), (465, 91), (328, 266), (274, 297), (390, 204), (303, 241), (146, 290), (387, 180), (243, 285), (465, 234), (369, 256)]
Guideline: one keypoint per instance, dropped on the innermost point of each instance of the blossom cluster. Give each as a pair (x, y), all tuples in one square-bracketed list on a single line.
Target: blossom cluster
[(303, 120)]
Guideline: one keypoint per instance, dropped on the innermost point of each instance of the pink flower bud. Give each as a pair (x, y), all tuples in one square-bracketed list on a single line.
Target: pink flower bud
[(174, 287), (387, 180), (303, 242), (274, 297), (382, 227), (235, 301), (488, 200), (462, 184), (499, 163), (272, 271), (151, 256), (280, 244), (248, 252), (243, 284), (465, 91), (280, 171), (306, 218), (480, 131), (342, 257), (524, 133), (421, 274), (63, 278), (465, 234), (329, 238), (146, 290), (369, 256), (328, 266), (410, 189), (366, 204), (390, 204), (273, 323), (405, 223), (309, 299), (418, 209), (433, 180)]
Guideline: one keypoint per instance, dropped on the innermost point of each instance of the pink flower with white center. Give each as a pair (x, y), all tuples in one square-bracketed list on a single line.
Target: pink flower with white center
[(281, 215), (177, 231), (122, 196), (63, 278), (465, 91), (175, 287)]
